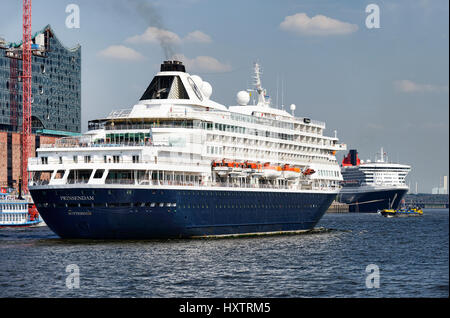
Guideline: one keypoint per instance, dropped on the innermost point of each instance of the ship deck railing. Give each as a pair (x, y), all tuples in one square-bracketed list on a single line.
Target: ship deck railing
[(188, 113), (60, 144), (189, 184)]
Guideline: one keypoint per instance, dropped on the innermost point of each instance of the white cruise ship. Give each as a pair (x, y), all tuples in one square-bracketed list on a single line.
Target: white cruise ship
[(178, 164), (371, 186)]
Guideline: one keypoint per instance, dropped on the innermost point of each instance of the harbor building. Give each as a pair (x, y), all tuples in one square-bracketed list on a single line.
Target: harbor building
[(443, 187), (56, 97)]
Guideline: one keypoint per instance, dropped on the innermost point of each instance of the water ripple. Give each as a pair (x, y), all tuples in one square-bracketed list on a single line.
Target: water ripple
[(412, 255)]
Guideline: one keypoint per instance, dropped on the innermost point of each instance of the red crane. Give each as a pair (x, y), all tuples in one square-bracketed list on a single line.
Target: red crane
[(26, 92)]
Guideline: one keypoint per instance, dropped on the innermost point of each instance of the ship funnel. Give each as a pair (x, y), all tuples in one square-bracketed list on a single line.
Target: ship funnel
[(173, 66), (351, 159)]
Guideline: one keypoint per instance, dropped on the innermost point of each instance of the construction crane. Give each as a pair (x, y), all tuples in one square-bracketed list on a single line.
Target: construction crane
[(26, 91)]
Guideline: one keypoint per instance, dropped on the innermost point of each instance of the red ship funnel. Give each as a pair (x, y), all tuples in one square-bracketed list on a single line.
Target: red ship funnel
[(351, 159)]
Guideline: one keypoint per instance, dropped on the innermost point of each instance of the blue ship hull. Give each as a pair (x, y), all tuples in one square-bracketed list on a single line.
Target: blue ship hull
[(372, 201), (145, 213)]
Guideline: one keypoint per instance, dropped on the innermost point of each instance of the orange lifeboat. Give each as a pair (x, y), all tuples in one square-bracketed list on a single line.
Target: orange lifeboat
[(227, 163), (271, 171), (222, 166), (290, 172), (256, 169), (251, 165), (236, 168)]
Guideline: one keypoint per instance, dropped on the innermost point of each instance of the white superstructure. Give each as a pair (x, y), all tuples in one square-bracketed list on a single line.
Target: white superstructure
[(177, 136), (377, 173)]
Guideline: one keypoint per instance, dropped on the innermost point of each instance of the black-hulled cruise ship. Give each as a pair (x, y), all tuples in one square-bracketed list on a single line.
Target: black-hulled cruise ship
[(371, 186), (178, 164)]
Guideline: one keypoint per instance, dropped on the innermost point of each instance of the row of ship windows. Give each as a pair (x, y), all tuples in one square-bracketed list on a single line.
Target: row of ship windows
[(107, 205), (328, 173), (12, 217), (88, 159), (13, 207), (244, 148), (254, 141), (196, 124), (262, 121), (220, 150), (212, 126), (195, 193), (174, 205)]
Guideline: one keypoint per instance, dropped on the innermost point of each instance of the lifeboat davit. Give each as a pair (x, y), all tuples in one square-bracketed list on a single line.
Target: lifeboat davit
[(271, 171), (290, 173)]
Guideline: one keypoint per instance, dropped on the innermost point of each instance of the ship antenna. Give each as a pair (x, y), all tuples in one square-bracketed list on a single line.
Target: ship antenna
[(277, 90), (259, 89)]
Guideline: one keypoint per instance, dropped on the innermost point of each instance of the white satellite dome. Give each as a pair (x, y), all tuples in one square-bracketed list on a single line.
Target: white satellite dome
[(206, 89), (197, 80), (243, 98), (292, 107)]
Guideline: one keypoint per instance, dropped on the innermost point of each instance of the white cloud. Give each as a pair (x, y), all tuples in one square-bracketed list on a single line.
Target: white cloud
[(407, 86), (197, 37), (203, 64), (121, 52), (155, 35), (320, 25)]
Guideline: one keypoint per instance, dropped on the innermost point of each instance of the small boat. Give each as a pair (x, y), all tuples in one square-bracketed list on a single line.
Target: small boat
[(237, 169), (17, 211), (221, 167), (271, 171), (290, 173), (256, 169), (390, 213)]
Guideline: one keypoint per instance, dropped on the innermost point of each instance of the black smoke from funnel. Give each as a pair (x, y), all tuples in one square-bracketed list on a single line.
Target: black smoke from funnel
[(152, 17)]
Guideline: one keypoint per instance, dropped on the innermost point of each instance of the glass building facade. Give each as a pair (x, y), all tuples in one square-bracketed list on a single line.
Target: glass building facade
[(56, 86)]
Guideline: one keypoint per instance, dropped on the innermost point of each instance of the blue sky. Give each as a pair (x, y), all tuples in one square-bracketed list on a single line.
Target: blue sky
[(377, 87)]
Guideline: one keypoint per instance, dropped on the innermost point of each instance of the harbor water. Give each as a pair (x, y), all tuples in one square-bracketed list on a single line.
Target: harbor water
[(410, 256)]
